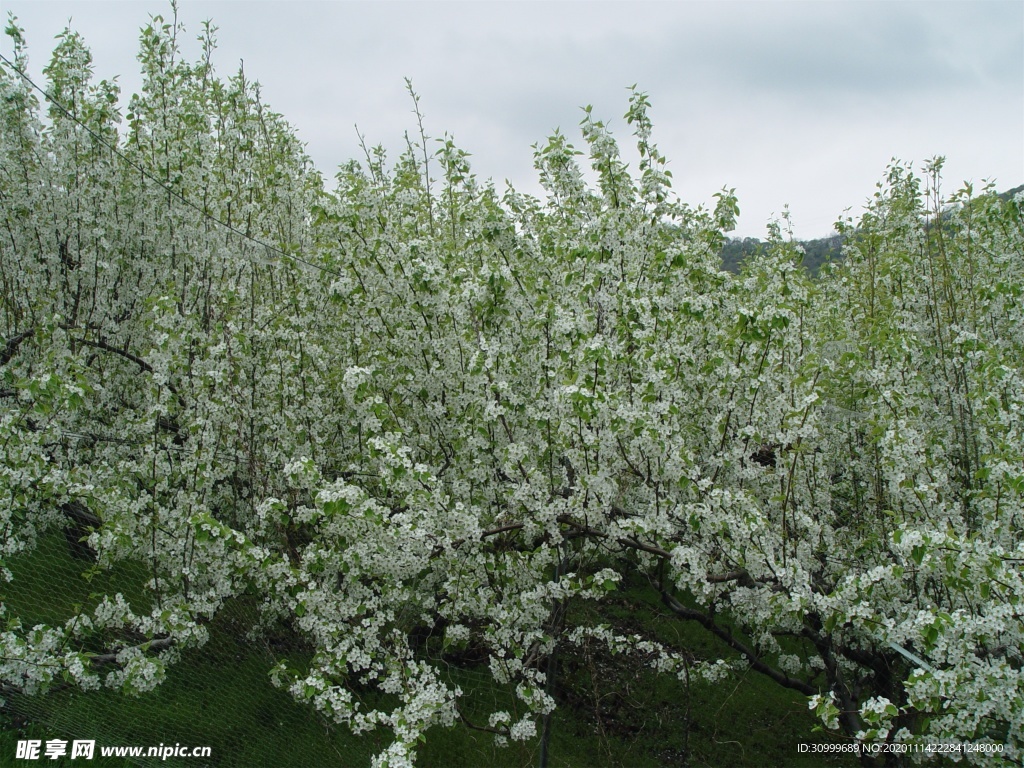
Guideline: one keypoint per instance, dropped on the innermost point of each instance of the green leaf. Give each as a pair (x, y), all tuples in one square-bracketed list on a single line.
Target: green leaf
[(918, 552)]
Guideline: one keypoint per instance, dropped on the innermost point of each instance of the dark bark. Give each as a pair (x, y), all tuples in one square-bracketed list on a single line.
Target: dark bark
[(11, 348), (725, 634), (81, 522)]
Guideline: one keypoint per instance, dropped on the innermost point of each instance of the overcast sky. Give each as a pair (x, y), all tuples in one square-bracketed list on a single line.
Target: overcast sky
[(798, 103)]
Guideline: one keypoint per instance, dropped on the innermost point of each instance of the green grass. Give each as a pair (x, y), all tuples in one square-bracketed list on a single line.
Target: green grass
[(50, 585), (218, 696), (641, 718), (613, 710)]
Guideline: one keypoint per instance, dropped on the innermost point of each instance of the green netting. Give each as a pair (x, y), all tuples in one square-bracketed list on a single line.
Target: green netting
[(217, 696)]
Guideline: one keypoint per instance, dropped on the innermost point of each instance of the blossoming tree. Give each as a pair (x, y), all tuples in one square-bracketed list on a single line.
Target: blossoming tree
[(415, 406)]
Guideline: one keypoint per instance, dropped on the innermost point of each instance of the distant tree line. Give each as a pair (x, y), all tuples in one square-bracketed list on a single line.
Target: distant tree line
[(816, 252)]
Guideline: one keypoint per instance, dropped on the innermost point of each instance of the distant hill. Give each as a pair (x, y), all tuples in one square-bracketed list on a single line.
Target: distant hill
[(816, 252), (1010, 192)]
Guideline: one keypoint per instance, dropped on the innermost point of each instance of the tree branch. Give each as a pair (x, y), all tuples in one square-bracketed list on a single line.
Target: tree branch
[(11, 348), (724, 634), (159, 644), (143, 365)]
